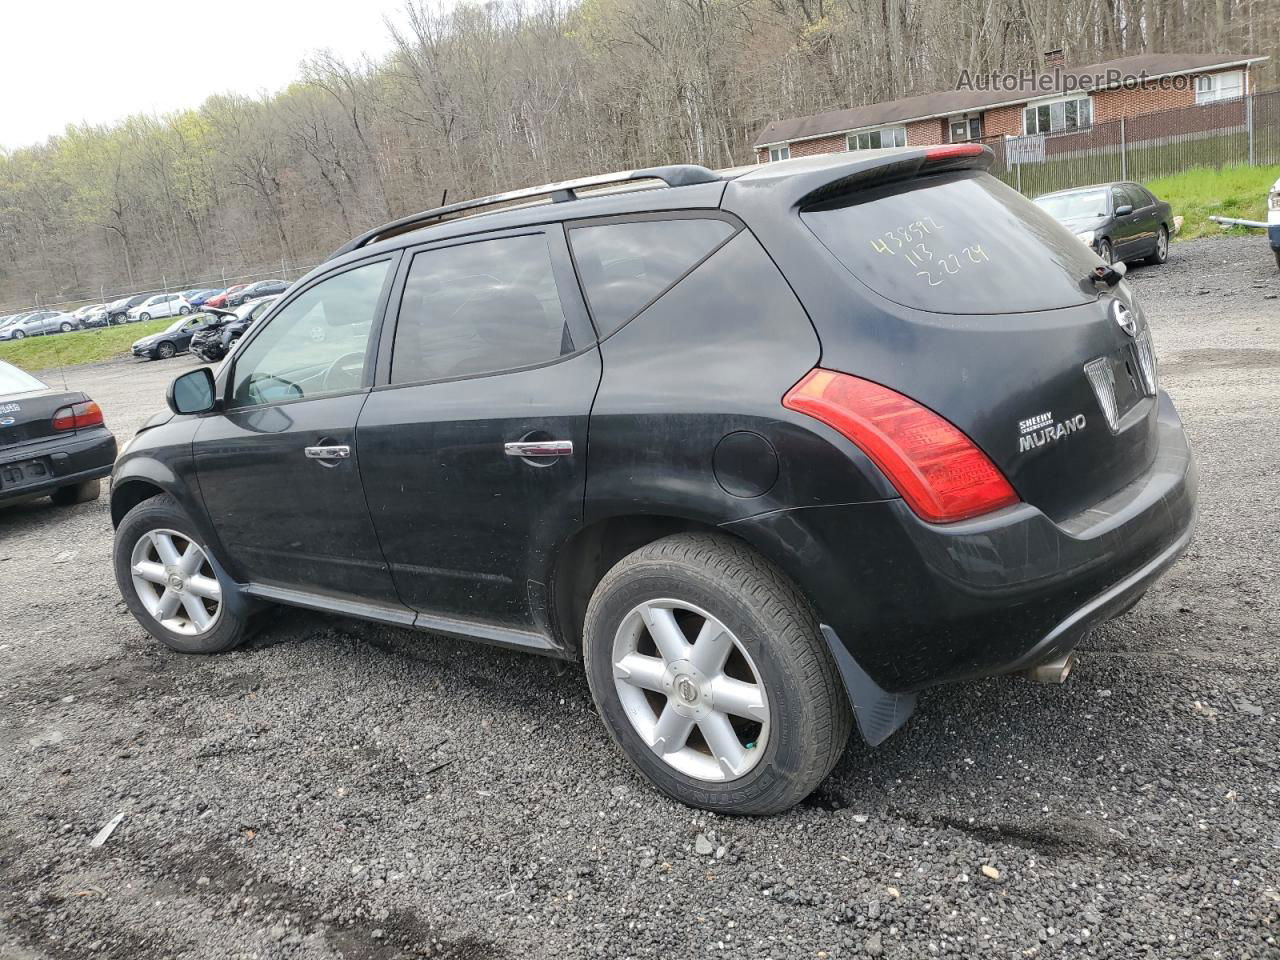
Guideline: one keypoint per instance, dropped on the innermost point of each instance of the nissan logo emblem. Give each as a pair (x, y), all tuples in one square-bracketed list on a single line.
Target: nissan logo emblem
[(1125, 318)]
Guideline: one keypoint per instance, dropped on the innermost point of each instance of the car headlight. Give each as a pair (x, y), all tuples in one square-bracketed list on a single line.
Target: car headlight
[(1086, 236)]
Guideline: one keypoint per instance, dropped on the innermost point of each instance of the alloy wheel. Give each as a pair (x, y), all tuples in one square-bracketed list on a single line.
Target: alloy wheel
[(176, 583), (1162, 245), (691, 690)]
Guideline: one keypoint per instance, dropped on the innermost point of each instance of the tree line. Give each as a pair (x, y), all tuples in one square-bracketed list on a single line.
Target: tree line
[(473, 100)]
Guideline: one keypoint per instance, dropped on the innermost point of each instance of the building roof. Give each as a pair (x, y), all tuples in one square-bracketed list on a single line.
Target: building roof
[(1028, 86)]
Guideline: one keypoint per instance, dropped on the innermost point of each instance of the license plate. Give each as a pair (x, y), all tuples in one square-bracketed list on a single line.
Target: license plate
[(24, 473)]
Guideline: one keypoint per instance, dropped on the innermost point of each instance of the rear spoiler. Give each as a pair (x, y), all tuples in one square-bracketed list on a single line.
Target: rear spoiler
[(903, 165)]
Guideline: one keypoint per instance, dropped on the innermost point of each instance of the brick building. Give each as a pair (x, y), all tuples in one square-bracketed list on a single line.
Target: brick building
[(1058, 100)]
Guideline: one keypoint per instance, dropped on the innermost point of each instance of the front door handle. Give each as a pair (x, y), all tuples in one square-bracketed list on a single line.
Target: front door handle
[(539, 448), (340, 452)]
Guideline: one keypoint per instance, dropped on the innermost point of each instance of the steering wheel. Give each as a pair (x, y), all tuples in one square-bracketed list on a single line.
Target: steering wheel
[(344, 372)]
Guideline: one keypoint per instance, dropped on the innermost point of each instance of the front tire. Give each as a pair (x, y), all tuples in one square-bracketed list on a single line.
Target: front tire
[(144, 317), (18, 335), (1105, 252), (77, 493), (183, 311), (709, 669), (65, 327), (170, 583), (166, 350)]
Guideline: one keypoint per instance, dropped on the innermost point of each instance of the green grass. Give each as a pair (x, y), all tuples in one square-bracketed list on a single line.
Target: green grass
[(34, 354), (1229, 192)]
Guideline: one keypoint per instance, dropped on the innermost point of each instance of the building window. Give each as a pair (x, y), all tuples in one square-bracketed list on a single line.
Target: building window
[(1219, 86), (779, 153), (965, 128), (878, 139), (1058, 116)]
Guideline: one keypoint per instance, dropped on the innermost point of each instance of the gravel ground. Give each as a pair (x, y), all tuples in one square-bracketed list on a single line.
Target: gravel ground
[(338, 789)]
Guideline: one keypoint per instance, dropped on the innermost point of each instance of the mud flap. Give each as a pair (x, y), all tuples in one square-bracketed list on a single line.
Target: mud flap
[(878, 712)]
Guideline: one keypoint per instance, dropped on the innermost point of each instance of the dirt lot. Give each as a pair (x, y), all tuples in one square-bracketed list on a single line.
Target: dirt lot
[(344, 790)]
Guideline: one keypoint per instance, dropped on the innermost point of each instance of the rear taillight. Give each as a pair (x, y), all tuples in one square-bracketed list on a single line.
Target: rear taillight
[(938, 154), (941, 473), (77, 416)]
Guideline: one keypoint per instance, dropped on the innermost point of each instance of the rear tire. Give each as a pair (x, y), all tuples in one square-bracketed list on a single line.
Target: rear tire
[(775, 652), (1161, 252), (135, 555), (65, 327), (77, 493)]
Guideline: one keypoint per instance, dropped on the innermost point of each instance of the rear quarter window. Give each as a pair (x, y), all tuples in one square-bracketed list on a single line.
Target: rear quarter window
[(960, 243), (625, 266)]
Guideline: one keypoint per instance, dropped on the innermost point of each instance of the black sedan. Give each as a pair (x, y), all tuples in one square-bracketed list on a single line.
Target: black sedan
[(173, 339), (52, 442), (1120, 221), (263, 288)]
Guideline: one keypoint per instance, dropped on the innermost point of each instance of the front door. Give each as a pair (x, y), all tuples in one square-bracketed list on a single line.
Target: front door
[(474, 450), (279, 465)]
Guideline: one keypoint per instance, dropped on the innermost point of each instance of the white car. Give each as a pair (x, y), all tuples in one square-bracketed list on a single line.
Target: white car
[(161, 305)]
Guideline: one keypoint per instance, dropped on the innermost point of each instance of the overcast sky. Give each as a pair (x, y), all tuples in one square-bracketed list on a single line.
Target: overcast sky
[(71, 61)]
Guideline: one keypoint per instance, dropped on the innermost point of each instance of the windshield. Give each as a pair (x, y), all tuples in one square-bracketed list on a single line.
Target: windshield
[(956, 243), (177, 325), (1075, 206), (13, 380)]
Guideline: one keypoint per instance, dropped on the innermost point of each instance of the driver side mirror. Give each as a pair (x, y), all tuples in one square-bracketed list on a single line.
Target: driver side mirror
[(193, 392), (1124, 210)]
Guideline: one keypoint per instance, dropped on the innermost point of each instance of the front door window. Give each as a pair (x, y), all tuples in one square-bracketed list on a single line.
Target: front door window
[(316, 345)]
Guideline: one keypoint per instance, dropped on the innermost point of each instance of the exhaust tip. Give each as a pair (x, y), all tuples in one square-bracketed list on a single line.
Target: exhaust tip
[(1052, 671)]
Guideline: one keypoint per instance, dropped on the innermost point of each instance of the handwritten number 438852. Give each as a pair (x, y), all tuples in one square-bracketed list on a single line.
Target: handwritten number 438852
[(904, 236)]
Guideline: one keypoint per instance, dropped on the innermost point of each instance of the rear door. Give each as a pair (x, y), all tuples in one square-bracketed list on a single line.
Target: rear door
[(279, 465), (474, 445)]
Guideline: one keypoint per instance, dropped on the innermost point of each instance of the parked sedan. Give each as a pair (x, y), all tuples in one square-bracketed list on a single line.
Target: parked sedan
[(37, 323), (1120, 221), (52, 442), (161, 305), (263, 288), (118, 312), (174, 339), (220, 300), (199, 298), (82, 314)]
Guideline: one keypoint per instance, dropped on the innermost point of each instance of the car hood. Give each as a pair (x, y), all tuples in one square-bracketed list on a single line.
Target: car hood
[(1081, 224), (148, 341)]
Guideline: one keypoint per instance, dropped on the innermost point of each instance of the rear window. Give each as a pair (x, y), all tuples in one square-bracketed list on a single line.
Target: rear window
[(961, 243), (13, 380)]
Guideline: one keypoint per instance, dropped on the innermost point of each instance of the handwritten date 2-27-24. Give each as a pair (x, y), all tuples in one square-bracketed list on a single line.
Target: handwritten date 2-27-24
[(930, 266)]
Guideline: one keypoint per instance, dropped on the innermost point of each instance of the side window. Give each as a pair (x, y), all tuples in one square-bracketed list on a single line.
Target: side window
[(626, 266), (315, 345), (1118, 198), (479, 308)]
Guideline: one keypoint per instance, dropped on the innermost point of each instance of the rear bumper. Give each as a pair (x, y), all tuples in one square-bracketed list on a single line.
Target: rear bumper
[(88, 455), (917, 604)]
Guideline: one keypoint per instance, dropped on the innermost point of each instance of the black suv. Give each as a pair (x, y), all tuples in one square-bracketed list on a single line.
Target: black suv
[(770, 450)]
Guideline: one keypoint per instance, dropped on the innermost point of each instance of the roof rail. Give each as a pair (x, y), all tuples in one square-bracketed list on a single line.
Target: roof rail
[(675, 175)]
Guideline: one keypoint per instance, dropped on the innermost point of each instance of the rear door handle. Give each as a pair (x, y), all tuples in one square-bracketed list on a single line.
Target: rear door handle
[(540, 448), (341, 452)]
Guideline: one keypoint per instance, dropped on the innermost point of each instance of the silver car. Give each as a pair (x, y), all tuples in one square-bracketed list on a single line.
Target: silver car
[(36, 323)]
